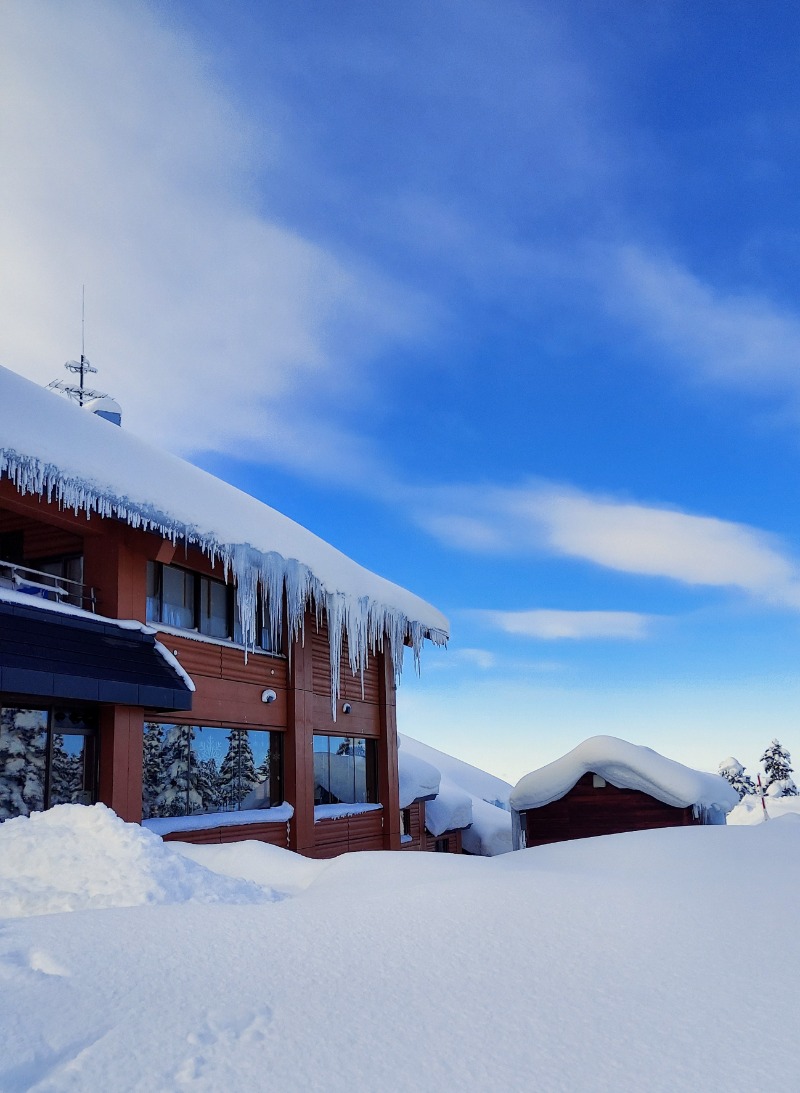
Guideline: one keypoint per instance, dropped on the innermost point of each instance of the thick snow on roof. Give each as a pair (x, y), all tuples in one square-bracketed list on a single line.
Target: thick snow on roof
[(50, 447), (626, 766), (466, 798)]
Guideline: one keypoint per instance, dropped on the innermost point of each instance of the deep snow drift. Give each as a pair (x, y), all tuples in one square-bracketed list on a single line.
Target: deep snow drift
[(650, 961)]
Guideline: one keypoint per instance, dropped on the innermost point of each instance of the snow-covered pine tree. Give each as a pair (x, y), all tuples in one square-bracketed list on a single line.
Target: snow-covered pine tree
[(23, 750), (733, 771), (152, 770), (237, 774), (179, 794), (208, 784), (778, 769), (66, 773)]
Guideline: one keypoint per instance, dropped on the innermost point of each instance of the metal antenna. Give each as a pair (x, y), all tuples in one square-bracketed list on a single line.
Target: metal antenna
[(81, 367)]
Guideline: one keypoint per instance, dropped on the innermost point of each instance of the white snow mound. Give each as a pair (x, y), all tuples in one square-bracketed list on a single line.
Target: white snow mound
[(79, 857), (626, 766)]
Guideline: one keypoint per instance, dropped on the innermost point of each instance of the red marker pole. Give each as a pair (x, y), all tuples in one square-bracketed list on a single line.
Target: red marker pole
[(763, 802)]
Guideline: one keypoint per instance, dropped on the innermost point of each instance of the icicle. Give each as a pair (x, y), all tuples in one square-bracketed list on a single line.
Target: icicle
[(262, 578)]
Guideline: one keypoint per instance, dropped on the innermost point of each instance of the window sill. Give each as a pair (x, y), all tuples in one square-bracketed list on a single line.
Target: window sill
[(202, 821), (207, 639), (341, 812)]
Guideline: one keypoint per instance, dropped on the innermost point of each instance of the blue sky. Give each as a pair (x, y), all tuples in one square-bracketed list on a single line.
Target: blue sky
[(499, 298)]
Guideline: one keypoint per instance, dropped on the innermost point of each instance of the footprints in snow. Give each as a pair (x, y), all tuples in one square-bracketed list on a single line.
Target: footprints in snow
[(219, 1035)]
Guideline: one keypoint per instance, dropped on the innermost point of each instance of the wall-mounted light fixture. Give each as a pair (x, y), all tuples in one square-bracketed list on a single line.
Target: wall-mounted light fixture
[(268, 696), (346, 707)]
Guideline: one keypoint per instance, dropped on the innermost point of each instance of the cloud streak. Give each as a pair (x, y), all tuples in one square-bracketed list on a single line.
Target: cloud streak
[(557, 625), (625, 536)]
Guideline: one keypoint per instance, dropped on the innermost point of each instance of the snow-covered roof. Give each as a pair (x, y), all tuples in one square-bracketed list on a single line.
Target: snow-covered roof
[(50, 447), (466, 797), (626, 766)]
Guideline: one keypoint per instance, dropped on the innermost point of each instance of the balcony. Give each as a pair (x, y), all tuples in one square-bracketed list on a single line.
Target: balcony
[(46, 586)]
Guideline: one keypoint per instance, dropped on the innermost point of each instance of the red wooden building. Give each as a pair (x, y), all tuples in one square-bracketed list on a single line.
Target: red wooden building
[(606, 786), (183, 653)]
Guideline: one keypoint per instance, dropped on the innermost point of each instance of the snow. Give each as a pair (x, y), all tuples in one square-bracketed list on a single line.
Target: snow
[(341, 811), (165, 825), (626, 766), (73, 858), (750, 810), (53, 449), (601, 964), (467, 797), (417, 779)]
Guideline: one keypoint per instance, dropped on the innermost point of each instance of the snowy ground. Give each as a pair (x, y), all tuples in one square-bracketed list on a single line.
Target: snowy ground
[(660, 960)]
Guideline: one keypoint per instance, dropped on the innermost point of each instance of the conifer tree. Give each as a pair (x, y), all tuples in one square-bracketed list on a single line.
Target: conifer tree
[(179, 794), (733, 771), (778, 769), (23, 753), (66, 773), (237, 774), (152, 769)]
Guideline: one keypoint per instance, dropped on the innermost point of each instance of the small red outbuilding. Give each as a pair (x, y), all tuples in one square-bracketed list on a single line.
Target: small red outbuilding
[(606, 786)]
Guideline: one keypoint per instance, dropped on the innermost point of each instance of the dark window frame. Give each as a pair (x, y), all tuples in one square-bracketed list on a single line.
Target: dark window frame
[(88, 727), (371, 787), (275, 749), (155, 578)]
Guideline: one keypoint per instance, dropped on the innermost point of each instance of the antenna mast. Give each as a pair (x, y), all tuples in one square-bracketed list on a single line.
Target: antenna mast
[(79, 392)]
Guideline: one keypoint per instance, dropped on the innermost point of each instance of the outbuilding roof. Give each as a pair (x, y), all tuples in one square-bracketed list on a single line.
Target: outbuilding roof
[(626, 766)]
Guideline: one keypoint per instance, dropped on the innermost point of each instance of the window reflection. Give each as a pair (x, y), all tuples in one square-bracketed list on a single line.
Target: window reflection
[(47, 757), (344, 770), (193, 769)]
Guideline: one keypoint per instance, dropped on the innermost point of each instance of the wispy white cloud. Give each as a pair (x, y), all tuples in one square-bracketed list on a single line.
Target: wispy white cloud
[(626, 536), (131, 171), (736, 338), (554, 625)]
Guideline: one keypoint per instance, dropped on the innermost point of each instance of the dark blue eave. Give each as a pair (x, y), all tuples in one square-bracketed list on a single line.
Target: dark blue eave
[(49, 654)]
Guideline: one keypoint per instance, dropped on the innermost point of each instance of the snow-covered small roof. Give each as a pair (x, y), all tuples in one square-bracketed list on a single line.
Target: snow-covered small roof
[(626, 766), (50, 447), (466, 797)]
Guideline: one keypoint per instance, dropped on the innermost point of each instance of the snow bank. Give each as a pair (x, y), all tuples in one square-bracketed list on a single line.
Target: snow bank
[(629, 963), (78, 857), (626, 766), (468, 798), (53, 449)]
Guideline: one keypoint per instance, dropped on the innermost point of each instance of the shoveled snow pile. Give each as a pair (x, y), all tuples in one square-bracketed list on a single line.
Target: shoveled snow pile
[(467, 798), (626, 766), (75, 857), (630, 963)]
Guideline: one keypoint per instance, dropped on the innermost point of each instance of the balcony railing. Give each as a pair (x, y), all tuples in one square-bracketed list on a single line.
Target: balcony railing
[(47, 586)]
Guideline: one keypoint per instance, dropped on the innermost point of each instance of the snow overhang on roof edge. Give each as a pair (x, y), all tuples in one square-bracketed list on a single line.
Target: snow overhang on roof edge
[(626, 766), (361, 612)]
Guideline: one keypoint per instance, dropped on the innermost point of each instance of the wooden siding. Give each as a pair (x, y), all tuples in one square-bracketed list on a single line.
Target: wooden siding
[(277, 834), (334, 837), (228, 690), (454, 844), (587, 811), (40, 540), (350, 684)]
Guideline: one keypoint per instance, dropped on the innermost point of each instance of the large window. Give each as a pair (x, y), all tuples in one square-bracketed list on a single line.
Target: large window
[(191, 769), (47, 757), (179, 597), (345, 770)]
